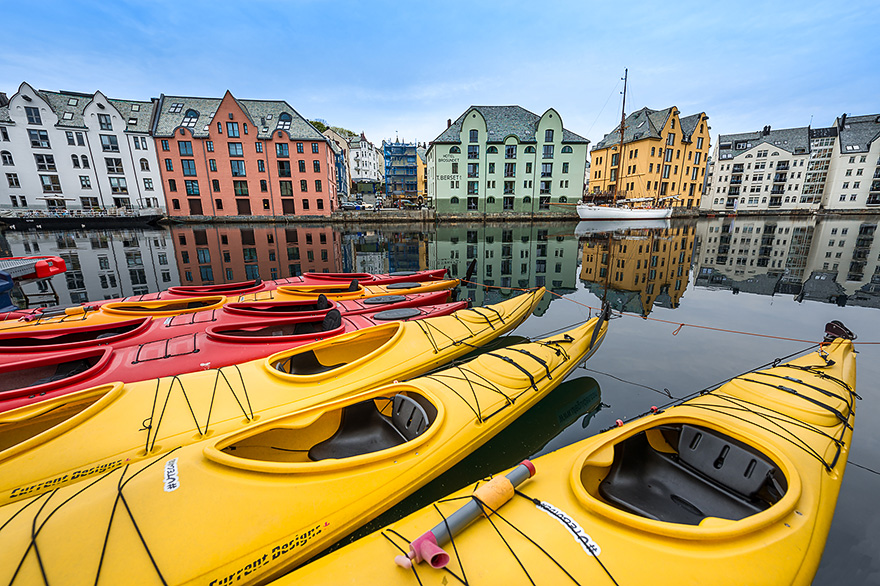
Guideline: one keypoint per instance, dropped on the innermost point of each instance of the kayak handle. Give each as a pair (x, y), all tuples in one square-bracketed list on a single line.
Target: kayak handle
[(493, 494)]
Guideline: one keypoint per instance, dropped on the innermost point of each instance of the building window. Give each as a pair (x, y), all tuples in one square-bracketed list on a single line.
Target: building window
[(474, 151), (473, 170), (264, 185), (212, 164), (237, 168), (284, 169), (145, 165), (148, 184), (305, 207), (509, 169), (6, 158), (508, 202), (453, 200), (185, 148), (316, 166), (546, 169), (472, 203), (189, 167), (548, 135), (548, 151), (165, 146), (45, 162), (118, 185), (215, 185), (454, 150), (33, 115), (473, 136), (259, 146), (172, 186), (318, 188), (39, 139), (12, 178), (109, 143), (232, 129), (315, 147), (284, 120), (240, 187), (544, 202), (261, 166), (209, 146), (566, 150), (565, 167), (281, 149), (114, 165), (303, 186), (236, 149), (192, 187), (286, 187), (299, 147), (169, 165)]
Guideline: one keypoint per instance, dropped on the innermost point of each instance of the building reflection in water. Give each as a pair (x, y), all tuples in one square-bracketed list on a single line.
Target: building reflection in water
[(635, 269), (101, 264), (521, 256), (829, 259), (226, 254)]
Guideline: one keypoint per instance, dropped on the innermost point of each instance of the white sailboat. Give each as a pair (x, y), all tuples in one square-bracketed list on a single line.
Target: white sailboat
[(641, 208)]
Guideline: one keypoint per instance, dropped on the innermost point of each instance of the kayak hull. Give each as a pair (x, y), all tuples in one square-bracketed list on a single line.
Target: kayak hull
[(577, 508), (251, 505)]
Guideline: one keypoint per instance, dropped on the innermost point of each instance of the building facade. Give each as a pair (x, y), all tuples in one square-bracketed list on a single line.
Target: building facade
[(230, 157), (505, 159), (422, 174), (401, 171), (343, 171), (663, 155), (366, 162), (835, 168), (68, 151)]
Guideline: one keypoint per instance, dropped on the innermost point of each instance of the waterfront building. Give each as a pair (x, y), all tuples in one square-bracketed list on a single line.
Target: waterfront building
[(68, 151), (231, 157), (101, 264), (853, 180), (220, 254), (367, 164), (505, 159), (834, 168), (769, 170), (640, 268), (343, 175), (401, 172), (663, 154)]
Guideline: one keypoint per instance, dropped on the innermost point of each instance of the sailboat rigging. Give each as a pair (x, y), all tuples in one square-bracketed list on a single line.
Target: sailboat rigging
[(622, 208)]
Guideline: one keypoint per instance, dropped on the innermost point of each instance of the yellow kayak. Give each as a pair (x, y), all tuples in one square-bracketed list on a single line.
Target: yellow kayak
[(248, 506), (735, 486), (82, 434), (116, 311)]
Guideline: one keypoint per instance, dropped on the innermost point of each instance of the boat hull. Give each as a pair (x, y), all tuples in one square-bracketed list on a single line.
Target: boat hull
[(596, 212)]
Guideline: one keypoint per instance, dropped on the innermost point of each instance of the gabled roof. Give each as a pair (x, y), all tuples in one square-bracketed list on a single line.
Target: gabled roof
[(793, 140), (501, 122), (641, 124), (263, 115), (73, 105), (858, 132)]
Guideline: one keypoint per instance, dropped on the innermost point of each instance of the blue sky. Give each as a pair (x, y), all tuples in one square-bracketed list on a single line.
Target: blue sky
[(404, 68)]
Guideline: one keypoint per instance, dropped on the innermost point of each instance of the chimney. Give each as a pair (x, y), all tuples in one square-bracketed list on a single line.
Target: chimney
[(448, 122), (3, 99), (766, 130), (842, 121)]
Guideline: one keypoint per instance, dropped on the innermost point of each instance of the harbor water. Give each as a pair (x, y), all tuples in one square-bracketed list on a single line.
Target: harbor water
[(695, 302)]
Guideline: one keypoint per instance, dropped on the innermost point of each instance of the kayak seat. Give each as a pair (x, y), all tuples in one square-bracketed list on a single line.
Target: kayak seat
[(353, 286), (364, 429), (65, 370), (305, 363), (323, 302), (331, 321), (711, 476)]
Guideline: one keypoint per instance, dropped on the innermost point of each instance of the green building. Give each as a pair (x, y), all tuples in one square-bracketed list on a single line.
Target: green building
[(506, 160)]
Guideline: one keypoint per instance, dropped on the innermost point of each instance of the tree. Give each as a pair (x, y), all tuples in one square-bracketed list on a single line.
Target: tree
[(319, 125)]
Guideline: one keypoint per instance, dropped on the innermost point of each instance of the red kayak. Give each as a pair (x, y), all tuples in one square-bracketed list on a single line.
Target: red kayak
[(18, 345), (34, 376), (257, 286), (26, 268)]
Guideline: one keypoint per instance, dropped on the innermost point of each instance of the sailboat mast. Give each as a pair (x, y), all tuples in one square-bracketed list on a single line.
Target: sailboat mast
[(622, 127)]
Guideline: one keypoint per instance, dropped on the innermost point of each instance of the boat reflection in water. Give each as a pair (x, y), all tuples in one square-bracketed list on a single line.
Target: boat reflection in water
[(591, 228), (636, 265)]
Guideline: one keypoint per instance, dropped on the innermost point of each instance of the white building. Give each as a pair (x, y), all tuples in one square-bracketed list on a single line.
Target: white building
[(66, 150), (835, 168), (366, 162), (853, 181)]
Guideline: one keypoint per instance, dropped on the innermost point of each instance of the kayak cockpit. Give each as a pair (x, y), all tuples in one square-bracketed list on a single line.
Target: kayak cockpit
[(361, 428), (164, 307), (328, 355), (222, 288), (322, 304), (683, 473), (59, 369), (58, 339), (271, 331)]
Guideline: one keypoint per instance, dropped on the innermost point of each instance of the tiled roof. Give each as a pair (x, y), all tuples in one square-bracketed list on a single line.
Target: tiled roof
[(4, 114), (858, 133), (135, 120), (793, 140), (263, 115), (60, 102), (503, 121), (641, 124)]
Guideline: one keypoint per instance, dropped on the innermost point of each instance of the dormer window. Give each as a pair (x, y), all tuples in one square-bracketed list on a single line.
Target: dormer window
[(284, 120), (190, 118)]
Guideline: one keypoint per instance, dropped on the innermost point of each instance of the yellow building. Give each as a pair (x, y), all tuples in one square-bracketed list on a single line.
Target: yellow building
[(640, 268), (663, 155), (421, 174)]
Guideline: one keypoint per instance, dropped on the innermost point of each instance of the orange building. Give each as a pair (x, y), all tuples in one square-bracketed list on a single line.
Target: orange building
[(220, 254), (230, 157)]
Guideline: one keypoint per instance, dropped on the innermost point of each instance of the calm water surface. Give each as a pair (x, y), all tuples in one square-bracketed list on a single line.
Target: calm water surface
[(782, 278)]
